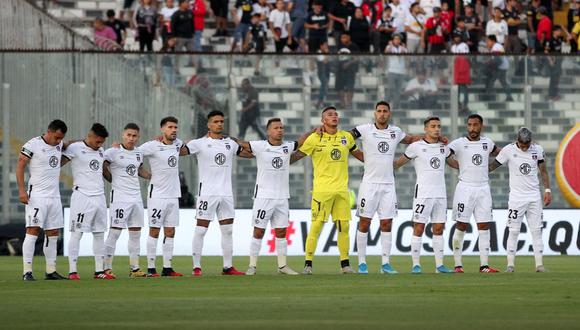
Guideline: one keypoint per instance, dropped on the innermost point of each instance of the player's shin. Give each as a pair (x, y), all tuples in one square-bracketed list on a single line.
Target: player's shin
[(458, 236), (361, 245), (312, 239), (110, 245), (73, 250), (386, 242), (134, 248), (438, 249), (99, 251), (28, 252), (255, 251), (49, 249), (151, 251), (512, 244), (538, 245), (167, 251), (281, 250), (343, 240), (227, 244), (484, 246), (416, 250), (197, 245)]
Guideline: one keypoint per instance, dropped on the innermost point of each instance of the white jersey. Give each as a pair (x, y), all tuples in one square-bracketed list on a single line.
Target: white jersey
[(214, 164), (379, 146), (523, 171), (124, 168), (87, 168), (429, 160), (473, 158), (44, 167), (273, 169), (164, 163)]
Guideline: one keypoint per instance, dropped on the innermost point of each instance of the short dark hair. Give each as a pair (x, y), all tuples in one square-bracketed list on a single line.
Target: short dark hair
[(132, 126), (215, 113), (460, 19), (385, 103), (492, 37), (169, 119), (330, 107), (345, 33), (273, 120), (110, 13), (57, 125), (475, 116), (430, 118), (556, 28), (99, 130)]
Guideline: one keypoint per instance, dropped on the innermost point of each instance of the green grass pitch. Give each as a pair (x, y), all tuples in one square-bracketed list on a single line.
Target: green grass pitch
[(326, 300)]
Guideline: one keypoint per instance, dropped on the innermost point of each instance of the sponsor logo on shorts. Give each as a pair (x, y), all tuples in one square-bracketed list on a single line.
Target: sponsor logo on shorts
[(477, 159), (220, 159), (277, 162), (172, 161), (53, 161), (383, 147), (335, 154), (131, 170), (94, 165), (525, 168), (435, 162)]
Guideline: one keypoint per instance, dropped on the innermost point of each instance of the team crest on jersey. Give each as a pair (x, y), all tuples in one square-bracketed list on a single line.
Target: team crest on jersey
[(383, 147), (100, 154), (138, 158), (220, 159), (335, 154), (477, 159), (228, 147), (121, 157), (442, 151), (484, 146), (277, 162), (131, 170), (57, 148), (435, 162), (343, 140), (424, 150), (177, 148), (53, 161), (393, 135), (172, 161), (94, 165), (535, 157), (285, 150), (525, 168)]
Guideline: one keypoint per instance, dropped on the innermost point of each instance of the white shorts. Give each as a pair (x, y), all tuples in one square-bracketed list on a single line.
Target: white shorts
[(44, 212), (88, 214), (434, 209), (276, 211), (532, 210), (377, 197), (163, 212), (470, 200), (126, 214), (210, 207)]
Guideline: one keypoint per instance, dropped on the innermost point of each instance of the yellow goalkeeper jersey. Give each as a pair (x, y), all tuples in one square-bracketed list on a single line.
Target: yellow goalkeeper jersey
[(329, 155)]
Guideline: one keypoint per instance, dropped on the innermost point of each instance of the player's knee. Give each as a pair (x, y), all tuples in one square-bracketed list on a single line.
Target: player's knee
[(483, 226), (52, 232), (438, 229), (280, 232), (154, 232), (203, 223), (461, 226), (386, 225), (418, 229), (33, 231), (169, 232), (259, 233), (363, 225)]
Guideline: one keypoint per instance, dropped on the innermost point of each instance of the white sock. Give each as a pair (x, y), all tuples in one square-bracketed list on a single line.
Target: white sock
[(227, 244), (438, 249), (134, 247), (281, 250), (255, 246), (167, 251), (49, 249), (99, 251), (512, 245), (151, 251), (484, 245), (416, 250), (28, 252), (197, 245), (361, 245), (538, 245), (73, 250), (386, 239), (458, 236), (110, 246)]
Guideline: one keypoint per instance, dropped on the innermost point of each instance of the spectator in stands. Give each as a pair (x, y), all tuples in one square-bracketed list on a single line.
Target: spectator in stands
[(573, 18), (554, 46), (145, 19), (242, 14), (298, 10), (118, 26), (399, 13), (575, 35), (474, 28), (428, 6), (396, 70), (317, 24), (461, 70), (435, 33), (250, 110), (199, 10), (461, 30), (104, 36), (447, 18), (532, 26), (496, 67), (421, 91), (346, 70), (359, 30), (165, 17), (256, 40), (512, 17), (280, 25), (385, 29), (323, 70), (497, 27), (262, 8), (544, 32), (127, 7), (339, 15), (220, 12), (414, 25), (168, 63), (182, 25)]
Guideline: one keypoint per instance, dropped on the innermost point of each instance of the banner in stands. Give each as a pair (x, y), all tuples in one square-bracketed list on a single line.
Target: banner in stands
[(561, 235)]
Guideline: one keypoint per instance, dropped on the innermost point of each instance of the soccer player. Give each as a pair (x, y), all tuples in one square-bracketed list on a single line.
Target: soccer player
[(42, 196), (377, 190), (122, 167), (215, 199), (524, 158), (88, 208), (330, 197), (472, 193), (163, 195), (271, 192), (430, 199)]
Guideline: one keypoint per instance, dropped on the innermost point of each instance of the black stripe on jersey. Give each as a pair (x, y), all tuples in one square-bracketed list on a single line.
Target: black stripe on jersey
[(540, 161), (26, 152), (112, 194), (151, 191), (353, 148), (255, 191), (404, 154), (239, 150), (250, 146), (295, 145), (67, 157), (355, 133), (199, 191), (416, 190), (29, 191)]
